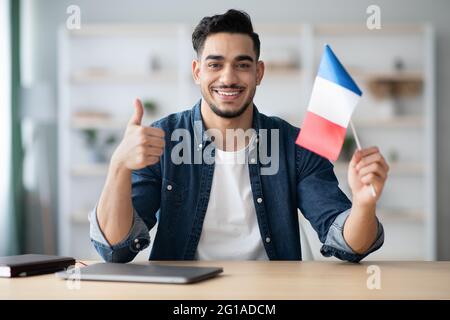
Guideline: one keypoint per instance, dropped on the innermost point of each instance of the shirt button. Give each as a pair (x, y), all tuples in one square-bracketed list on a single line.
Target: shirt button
[(138, 245), (200, 145), (169, 187), (267, 239), (259, 200), (252, 160), (136, 240)]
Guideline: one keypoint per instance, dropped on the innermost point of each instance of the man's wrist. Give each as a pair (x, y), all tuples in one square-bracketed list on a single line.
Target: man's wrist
[(117, 167), (363, 206)]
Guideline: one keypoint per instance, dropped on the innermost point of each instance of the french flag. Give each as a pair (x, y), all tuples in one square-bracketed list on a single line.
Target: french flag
[(333, 99)]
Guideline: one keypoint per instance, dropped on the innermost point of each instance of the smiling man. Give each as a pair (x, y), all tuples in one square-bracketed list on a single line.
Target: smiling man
[(229, 209), (227, 73)]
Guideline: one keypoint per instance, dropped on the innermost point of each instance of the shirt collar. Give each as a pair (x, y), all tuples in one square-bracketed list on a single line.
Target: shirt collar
[(200, 136)]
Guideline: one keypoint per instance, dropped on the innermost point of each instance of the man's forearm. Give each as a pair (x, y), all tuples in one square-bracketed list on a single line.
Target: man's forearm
[(360, 228), (115, 210)]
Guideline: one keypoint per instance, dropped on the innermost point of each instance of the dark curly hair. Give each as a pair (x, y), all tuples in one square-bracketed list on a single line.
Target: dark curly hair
[(232, 21)]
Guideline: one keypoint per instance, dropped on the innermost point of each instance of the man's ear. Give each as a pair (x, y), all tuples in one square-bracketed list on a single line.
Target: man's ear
[(196, 70), (259, 72)]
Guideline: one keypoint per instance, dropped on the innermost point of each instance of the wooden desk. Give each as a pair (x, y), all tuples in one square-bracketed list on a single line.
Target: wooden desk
[(258, 280)]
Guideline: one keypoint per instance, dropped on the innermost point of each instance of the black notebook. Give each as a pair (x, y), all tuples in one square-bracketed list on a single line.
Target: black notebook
[(32, 264)]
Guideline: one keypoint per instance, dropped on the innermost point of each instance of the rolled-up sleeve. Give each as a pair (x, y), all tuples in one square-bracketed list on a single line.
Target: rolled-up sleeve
[(325, 206), (138, 239), (146, 199), (335, 244)]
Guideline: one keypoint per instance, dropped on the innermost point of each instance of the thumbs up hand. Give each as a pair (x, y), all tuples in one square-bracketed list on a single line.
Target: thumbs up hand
[(140, 146), (136, 119)]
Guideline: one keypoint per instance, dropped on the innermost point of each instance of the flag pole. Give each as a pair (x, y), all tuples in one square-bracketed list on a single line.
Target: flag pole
[(358, 145)]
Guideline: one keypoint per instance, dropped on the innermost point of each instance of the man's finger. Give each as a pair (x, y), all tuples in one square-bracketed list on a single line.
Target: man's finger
[(151, 159), (367, 151), (136, 119), (355, 158), (372, 178), (375, 167), (154, 132), (374, 157), (155, 142), (156, 152)]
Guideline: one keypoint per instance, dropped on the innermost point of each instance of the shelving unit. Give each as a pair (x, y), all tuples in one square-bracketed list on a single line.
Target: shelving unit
[(396, 114), (102, 68)]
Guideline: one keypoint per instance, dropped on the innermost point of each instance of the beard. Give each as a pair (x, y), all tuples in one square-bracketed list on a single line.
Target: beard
[(229, 114)]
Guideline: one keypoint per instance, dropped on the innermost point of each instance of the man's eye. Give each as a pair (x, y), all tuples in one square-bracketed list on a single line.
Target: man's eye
[(243, 66), (213, 65)]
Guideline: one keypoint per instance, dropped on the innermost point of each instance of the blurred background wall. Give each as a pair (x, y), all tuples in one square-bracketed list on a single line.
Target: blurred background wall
[(41, 19)]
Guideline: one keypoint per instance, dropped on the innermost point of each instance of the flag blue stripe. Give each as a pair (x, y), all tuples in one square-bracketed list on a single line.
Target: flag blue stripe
[(331, 69)]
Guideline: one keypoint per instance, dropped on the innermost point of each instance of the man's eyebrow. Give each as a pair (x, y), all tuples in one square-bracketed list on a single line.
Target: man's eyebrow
[(214, 57), (244, 57)]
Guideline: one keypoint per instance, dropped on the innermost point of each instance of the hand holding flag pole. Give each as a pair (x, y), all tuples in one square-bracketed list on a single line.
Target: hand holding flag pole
[(333, 100), (358, 145)]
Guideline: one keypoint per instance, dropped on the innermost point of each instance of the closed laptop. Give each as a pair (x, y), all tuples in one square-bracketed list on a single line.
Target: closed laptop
[(156, 273)]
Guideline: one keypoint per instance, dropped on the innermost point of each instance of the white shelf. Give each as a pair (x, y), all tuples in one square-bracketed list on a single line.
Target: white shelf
[(401, 215), (82, 123), (398, 168), (397, 122), (126, 30), (90, 170), (80, 217), (84, 77), (375, 75), (98, 124), (361, 29)]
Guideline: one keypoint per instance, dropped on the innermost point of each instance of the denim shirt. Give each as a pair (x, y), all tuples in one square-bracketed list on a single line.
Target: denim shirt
[(176, 195)]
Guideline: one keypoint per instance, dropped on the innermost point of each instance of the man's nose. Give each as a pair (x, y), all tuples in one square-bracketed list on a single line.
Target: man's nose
[(228, 76)]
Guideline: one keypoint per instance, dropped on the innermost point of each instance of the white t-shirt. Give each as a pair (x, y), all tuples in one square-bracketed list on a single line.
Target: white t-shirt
[(230, 229)]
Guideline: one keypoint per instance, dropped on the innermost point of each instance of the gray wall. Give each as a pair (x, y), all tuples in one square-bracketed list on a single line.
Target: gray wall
[(48, 15)]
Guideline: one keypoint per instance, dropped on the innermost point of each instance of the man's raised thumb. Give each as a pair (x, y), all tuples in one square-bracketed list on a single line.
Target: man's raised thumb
[(138, 113)]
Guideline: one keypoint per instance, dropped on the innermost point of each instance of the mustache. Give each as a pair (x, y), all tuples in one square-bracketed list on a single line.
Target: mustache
[(233, 86)]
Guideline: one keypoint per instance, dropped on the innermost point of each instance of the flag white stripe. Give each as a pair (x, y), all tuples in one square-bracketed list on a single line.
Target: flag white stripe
[(332, 102)]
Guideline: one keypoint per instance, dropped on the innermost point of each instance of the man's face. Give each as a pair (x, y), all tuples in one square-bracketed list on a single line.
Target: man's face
[(228, 73)]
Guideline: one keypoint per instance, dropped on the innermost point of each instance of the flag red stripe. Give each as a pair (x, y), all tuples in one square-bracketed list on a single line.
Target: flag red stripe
[(321, 136)]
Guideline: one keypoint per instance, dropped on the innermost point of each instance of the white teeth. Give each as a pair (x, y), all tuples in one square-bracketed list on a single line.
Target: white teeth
[(228, 93)]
